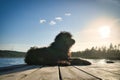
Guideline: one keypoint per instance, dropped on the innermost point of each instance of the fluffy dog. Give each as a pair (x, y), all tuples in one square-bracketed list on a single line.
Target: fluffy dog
[(56, 53)]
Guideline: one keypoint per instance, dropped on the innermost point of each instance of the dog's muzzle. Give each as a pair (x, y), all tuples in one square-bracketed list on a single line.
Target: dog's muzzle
[(72, 41)]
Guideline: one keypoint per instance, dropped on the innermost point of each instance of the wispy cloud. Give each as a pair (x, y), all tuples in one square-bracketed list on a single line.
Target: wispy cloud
[(59, 19), (42, 21), (67, 14), (52, 22)]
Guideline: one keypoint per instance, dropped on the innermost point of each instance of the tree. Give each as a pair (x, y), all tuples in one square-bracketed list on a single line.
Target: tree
[(111, 46)]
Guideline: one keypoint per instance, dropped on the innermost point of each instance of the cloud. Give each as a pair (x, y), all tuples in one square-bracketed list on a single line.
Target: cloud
[(58, 19), (67, 14), (55, 20), (52, 22), (42, 21)]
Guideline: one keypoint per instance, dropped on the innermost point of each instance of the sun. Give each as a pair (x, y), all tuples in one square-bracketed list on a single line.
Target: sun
[(104, 31)]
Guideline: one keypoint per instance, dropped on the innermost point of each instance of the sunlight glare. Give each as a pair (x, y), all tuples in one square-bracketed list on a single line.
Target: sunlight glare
[(104, 31)]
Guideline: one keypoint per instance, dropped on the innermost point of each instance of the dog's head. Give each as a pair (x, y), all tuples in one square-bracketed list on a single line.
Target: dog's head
[(63, 41)]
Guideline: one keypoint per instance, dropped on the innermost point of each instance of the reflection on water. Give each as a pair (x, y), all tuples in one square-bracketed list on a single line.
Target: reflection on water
[(102, 61), (97, 61)]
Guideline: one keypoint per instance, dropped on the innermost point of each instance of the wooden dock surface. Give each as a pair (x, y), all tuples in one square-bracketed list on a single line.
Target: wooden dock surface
[(92, 72)]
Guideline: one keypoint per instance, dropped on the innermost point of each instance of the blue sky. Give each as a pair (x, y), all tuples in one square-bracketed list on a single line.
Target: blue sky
[(27, 23)]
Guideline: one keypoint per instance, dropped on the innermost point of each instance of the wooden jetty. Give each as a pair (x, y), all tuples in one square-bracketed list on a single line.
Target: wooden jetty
[(32, 72)]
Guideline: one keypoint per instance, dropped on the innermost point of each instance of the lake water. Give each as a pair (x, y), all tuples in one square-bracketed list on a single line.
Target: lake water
[(11, 61)]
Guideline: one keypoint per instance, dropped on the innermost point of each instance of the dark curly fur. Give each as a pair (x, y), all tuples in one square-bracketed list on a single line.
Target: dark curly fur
[(56, 53)]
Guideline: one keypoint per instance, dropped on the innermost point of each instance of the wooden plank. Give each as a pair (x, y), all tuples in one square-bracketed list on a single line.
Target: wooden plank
[(112, 70), (18, 73), (71, 73), (45, 73), (19, 69), (100, 73)]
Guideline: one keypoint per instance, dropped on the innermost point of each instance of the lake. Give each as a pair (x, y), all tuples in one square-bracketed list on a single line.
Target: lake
[(11, 61)]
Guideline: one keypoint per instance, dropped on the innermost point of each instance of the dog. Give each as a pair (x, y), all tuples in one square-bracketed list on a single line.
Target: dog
[(55, 54)]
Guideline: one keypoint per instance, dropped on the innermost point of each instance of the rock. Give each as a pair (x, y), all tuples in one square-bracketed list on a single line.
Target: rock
[(79, 62), (109, 61)]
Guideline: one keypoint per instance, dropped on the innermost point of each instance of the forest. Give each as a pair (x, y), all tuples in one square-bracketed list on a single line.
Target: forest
[(112, 52), (11, 54)]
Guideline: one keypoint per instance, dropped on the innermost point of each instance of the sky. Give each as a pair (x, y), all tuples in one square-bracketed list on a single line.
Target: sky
[(28, 23)]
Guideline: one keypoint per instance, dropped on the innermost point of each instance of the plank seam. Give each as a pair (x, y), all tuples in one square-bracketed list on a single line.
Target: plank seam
[(60, 76), (87, 73)]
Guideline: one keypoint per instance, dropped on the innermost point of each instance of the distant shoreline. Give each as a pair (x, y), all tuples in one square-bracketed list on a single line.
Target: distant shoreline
[(12, 57), (11, 54)]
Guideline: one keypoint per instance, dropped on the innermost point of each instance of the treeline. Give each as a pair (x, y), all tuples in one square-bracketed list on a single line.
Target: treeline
[(11, 54), (113, 52)]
